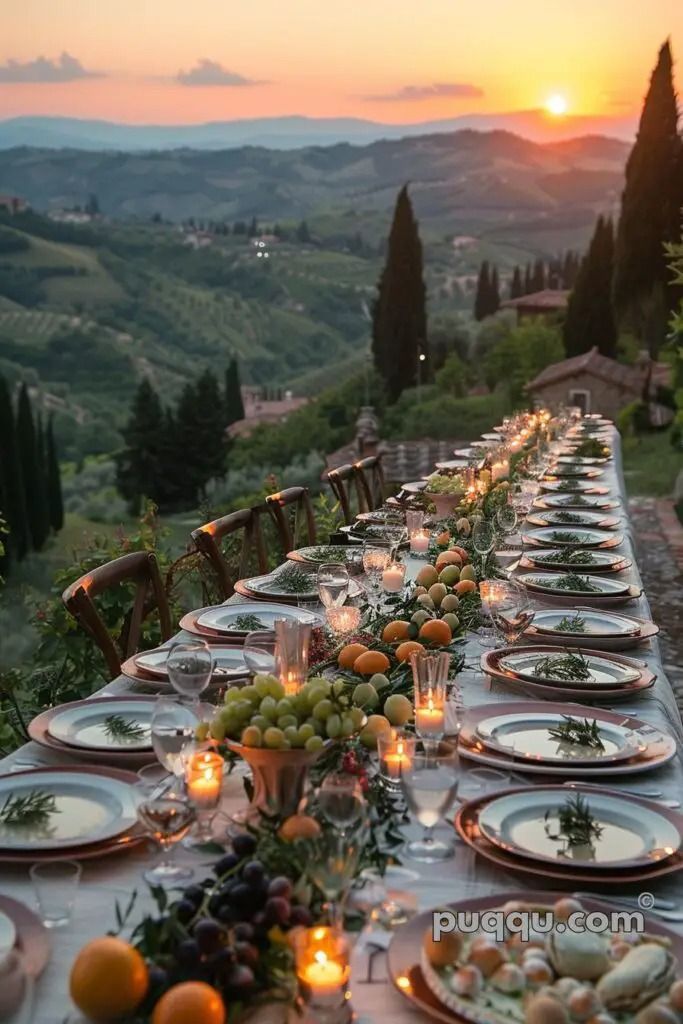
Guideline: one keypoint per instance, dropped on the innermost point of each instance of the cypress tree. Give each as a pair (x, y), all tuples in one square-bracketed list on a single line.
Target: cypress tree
[(516, 285), (54, 481), (650, 210), (590, 315), (527, 280), (139, 469), (234, 406), (399, 316), (537, 281), (200, 428), (12, 493), (482, 296), (31, 469), (494, 292)]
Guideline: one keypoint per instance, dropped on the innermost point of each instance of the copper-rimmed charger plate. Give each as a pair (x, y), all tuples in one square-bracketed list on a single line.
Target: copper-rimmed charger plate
[(661, 750), (38, 730), (526, 562), (467, 826), (88, 851), (602, 506), (598, 643), (190, 624), (404, 953), (592, 600), (612, 540), (585, 694), (33, 938), (603, 523)]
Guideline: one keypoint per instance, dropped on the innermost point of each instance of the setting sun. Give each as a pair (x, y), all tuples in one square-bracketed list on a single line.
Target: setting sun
[(556, 105)]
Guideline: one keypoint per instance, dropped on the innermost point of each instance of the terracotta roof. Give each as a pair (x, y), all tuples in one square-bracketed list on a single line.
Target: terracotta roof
[(402, 460), (591, 362), (549, 298)]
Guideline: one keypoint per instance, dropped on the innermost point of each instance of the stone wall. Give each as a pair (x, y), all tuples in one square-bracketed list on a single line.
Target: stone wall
[(606, 398)]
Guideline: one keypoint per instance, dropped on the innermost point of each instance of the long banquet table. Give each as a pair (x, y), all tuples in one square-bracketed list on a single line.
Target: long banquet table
[(115, 877)]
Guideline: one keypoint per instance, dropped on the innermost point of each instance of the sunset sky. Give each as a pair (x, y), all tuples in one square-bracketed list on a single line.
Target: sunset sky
[(172, 61)]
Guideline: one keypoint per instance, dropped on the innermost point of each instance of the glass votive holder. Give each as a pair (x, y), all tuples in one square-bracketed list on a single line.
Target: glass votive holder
[(419, 541), (55, 883), (203, 784), (396, 751), (394, 577), (430, 680), (323, 971), (343, 621), (293, 640), (415, 518)]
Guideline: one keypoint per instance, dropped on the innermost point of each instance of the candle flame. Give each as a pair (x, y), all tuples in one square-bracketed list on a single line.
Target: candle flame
[(318, 934), (320, 957)]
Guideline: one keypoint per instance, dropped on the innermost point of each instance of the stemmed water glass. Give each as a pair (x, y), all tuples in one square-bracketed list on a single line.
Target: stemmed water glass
[(166, 815), (331, 863), (341, 800), (376, 557), (395, 533), (430, 786), (511, 614), (333, 584), (189, 666), (483, 540), (506, 518), (259, 651), (173, 728)]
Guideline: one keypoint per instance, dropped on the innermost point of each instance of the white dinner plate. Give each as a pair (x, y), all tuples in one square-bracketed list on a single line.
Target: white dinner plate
[(567, 519), (599, 586), (240, 619), (573, 536), (577, 501), (89, 725), (414, 486), (467, 453), (570, 485), (583, 460), (529, 736), (8, 934), (603, 671), (228, 663), (270, 585), (89, 808), (595, 623), (632, 833), (577, 559)]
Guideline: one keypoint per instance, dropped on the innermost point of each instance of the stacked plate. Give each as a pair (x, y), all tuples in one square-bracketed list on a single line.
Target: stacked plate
[(85, 813), (571, 536), (150, 667), (233, 621), (582, 460), (566, 587), (563, 518), (573, 469), (572, 485), (569, 559), (106, 730), (532, 738), (578, 627), (576, 501), (637, 840), (279, 585), (318, 554), (554, 673)]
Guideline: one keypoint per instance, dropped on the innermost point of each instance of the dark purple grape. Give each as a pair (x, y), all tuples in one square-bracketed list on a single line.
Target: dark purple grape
[(195, 893), (226, 914), (225, 864), (223, 960), (185, 910), (244, 845), (301, 915), (244, 932), (215, 903), (253, 872), (209, 935), (280, 886), (246, 954), (158, 978), (242, 896), (277, 910), (187, 953), (239, 978)]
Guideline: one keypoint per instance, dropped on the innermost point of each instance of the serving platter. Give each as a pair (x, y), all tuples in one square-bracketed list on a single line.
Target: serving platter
[(91, 724), (535, 666), (572, 537), (527, 823), (39, 732)]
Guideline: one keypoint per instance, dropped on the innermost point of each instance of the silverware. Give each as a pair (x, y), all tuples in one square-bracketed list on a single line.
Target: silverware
[(647, 794)]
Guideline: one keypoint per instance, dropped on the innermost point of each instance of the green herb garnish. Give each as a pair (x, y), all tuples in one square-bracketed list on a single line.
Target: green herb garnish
[(572, 581), (565, 537), (568, 517), (33, 808), (592, 448), (578, 500), (563, 666), (583, 733), (247, 623), (571, 556), (577, 826), (292, 581), (567, 485), (573, 624), (329, 553), (124, 729)]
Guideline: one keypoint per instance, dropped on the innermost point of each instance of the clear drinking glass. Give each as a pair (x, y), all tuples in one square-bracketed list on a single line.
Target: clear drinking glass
[(511, 614), (189, 666), (430, 680), (376, 557), (506, 518), (386, 898), (395, 533), (429, 787), (483, 537), (341, 800), (333, 584), (166, 815), (55, 883), (331, 865), (259, 651), (174, 727), (415, 518)]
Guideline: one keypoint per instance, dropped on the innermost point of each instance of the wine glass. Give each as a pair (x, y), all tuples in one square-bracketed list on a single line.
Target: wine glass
[(430, 786), (483, 537), (332, 862), (259, 651), (189, 666), (333, 583), (166, 815), (506, 517), (395, 533), (511, 614), (173, 728), (376, 557), (341, 800)]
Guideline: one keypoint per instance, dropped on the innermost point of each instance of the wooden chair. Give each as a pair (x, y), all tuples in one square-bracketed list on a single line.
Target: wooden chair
[(289, 527), (339, 480), (139, 568), (209, 540), (370, 482)]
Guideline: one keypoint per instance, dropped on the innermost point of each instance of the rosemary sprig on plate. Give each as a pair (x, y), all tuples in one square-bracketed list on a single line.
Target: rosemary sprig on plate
[(563, 666), (584, 733), (32, 808), (572, 581), (572, 624), (566, 485), (326, 553), (567, 556), (568, 517), (566, 537), (126, 730), (247, 623), (592, 448), (292, 581), (578, 500), (577, 826)]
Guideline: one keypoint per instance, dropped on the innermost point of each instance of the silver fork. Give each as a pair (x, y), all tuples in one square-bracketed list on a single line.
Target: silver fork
[(647, 794)]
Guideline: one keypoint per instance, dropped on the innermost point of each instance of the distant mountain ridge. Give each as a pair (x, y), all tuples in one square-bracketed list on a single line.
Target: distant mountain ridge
[(290, 132)]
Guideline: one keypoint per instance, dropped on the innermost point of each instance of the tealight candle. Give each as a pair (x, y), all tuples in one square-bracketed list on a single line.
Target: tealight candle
[(395, 752), (343, 620), (323, 971), (429, 720), (419, 542), (491, 594), (204, 779), (393, 577)]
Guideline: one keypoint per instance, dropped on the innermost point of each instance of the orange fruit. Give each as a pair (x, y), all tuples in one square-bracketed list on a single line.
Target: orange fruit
[(436, 631), (443, 539), (108, 979), (465, 587), (349, 653), (190, 1002), (395, 631), (298, 826), (404, 650), (450, 557), (370, 662)]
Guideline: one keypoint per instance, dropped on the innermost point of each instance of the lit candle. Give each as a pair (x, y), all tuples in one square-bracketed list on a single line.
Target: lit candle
[(323, 975), (429, 720), (343, 620), (395, 752), (393, 577), (204, 778), (491, 594), (419, 542), (291, 682), (322, 967)]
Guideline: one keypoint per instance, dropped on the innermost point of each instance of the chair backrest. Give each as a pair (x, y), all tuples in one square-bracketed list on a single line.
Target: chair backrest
[(293, 514), (209, 540), (340, 480), (140, 568), (370, 482)]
